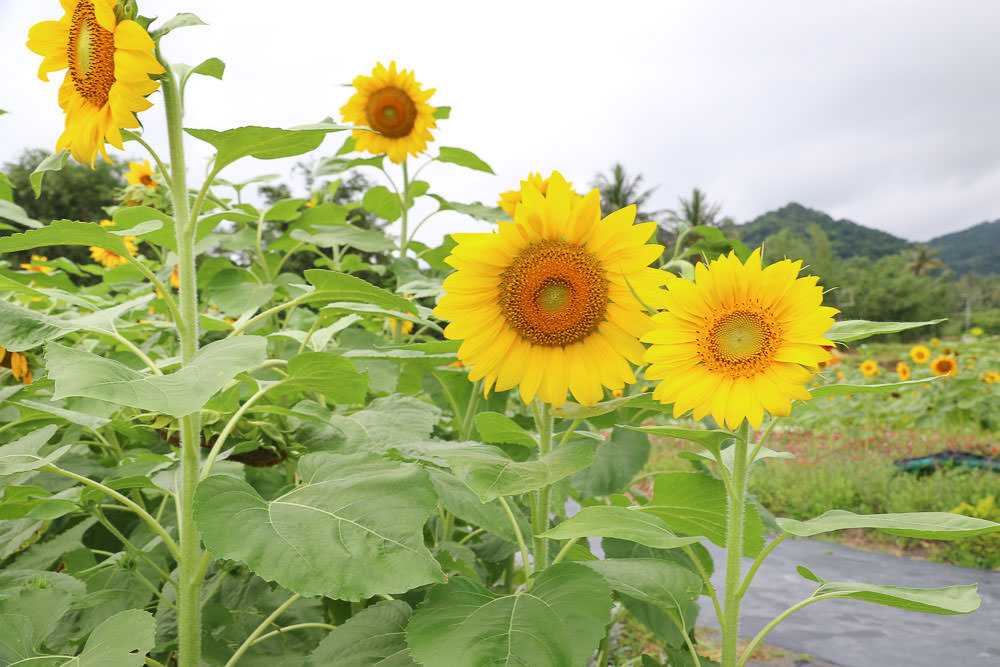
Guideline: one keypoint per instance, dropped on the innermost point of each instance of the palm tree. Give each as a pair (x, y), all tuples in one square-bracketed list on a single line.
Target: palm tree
[(697, 210), (920, 259), (620, 190)]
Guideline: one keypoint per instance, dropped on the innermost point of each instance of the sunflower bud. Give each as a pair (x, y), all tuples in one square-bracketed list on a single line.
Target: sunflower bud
[(126, 10)]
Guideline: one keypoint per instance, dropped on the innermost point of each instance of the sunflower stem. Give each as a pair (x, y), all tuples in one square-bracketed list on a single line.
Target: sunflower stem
[(734, 549), (189, 581), (542, 497)]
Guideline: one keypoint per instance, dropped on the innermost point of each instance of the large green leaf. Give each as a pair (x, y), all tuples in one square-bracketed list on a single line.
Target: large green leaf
[(491, 474), (352, 530), (621, 522), (80, 373), (68, 232), (53, 162), (376, 637), (928, 525), (570, 410), (617, 460), (945, 601), (327, 236), (21, 455), (121, 640), (236, 291), (463, 158), (558, 623), (475, 210), (335, 286), (710, 440), (848, 330), (22, 329), (11, 211), (387, 421), (695, 504), (325, 373), (382, 202), (263, 143), (843, 389), (664, 583), (456, 497), (498, 429)]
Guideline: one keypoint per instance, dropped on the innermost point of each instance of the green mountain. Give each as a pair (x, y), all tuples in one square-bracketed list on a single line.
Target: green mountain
[(847, 239), (976, 249)]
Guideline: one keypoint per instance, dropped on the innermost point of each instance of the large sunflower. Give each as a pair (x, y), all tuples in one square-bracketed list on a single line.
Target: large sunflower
[(108, 64), (739, 340), (392, 104), (546, 303)]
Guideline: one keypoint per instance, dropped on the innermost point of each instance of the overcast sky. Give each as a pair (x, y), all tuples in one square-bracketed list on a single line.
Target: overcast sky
[(886, 113)]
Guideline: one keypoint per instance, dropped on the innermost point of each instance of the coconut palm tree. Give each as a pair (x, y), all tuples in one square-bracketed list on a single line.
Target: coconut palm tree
[(697, 210), (619, 189), (920, 259)]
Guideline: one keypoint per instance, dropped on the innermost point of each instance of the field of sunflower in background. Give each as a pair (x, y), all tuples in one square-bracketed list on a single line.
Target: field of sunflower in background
[(282, 434)]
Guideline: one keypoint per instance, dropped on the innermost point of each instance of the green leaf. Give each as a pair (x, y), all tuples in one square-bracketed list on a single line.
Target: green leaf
[(352, 530), (53, 162), (455, 496), (558, 623), (121, 640), (80, 373), (475, 210), (463, 158), (72, 416), (945, 601), (488, 471), (387, 421), (663, 583), (325, 373), (710, 440), (843, 389), (383, 202), (928, 525), (622, 523), (17, 639), (617, 460), (179, 21), (263, 143), (22, 329), (497, 429), (328, 236), (11, 211), (442, 112), (284, 210), (645, 401), (336, 165), (848, 330), (236, 291), (21, 455), (212, 67), (336, 286), (695, 504), (375, 637), (68, 232)]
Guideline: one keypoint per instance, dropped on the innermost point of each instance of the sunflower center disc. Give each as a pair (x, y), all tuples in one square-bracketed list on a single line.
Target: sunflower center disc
[(740, 337), (391, 112), (91, 54), (554, 293), (741, 342)]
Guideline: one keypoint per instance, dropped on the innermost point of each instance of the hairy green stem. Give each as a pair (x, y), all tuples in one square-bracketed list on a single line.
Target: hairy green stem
[(757, 562), (752, 644), (706, 578), (730, 624), (525, 561), (541, 498), (228, 429), (251, 640), (288, 628)]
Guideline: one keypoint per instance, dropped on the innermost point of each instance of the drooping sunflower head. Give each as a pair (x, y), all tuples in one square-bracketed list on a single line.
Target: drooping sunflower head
[(944, 366), (869, 368), (141, 173), (392, 104), (903, 370), (920, 354), (510, 199), (740, 340), (108, 62), (546, 303)]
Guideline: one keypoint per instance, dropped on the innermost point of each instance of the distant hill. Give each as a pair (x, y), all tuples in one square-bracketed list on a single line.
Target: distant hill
[(847, 239), (976, 249)]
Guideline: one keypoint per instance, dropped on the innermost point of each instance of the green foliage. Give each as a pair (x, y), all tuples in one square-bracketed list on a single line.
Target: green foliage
[(972, 250), (981, 551)]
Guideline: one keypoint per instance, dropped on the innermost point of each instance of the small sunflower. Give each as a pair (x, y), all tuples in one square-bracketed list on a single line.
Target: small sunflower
[(107, 258), (935, 342), (976, 331), (944, 366), (949, 352), (141, 173), (18, 365), (175, 278), (509, 200), (869, 368), (108, 64), (990, 377), (903, 370), (546, 303), (739, 340), (37, 268), (392, 104), (920, 354)]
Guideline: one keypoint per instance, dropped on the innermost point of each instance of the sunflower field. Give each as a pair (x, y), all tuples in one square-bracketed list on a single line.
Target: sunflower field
[(268, 435)]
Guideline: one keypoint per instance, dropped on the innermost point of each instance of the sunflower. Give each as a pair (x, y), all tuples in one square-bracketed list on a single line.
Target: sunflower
[(548, 302), (869, 368), (944, 366), (108, 63), (107, 258), (935, 342), (903, 370), (175, 278), (990, 377), (739, 340), (18, 365), (141, 174), (392, 104), (976, 331), (949, 352), (920, 354), (36, 267), (509, 200)]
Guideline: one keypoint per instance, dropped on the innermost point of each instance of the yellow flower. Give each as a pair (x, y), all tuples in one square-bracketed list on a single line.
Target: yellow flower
[(509, 200), (392, 104), (869, 368), (935, 342), (920, 353), (976, 331), (949, 352), (175, 278), (739, 340), (546, 302), (106, 257), (990, 377), (406, 328), (141, 174), (944, 366), (35, 267), (18, 365), (903, 370), (108, 64), (840, 376)]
